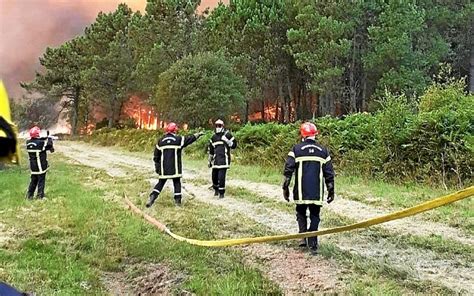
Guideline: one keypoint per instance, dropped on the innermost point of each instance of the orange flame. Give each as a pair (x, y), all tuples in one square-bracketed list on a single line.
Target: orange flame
[(144, 115)]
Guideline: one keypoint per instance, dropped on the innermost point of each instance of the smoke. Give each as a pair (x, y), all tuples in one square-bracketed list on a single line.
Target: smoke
[(27, 27)]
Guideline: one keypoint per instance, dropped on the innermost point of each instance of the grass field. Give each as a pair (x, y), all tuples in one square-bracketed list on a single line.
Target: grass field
[(64, 245), (372, 192), (82, 241)]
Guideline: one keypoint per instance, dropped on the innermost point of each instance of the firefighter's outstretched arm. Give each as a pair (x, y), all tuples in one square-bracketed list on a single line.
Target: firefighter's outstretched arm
[(188, 140), (290, 166), (328, 174), (49, 145)]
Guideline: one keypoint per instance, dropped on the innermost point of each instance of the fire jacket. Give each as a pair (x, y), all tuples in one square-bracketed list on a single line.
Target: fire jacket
[(167, 155), (36, 149), (219, 149), (312, 166)]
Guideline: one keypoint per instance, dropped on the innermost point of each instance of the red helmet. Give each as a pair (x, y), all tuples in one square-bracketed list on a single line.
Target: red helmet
[(308, 129), (35, 132), (171, 127)]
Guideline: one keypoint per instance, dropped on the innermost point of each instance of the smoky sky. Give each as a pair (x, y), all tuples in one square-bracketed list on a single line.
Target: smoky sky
[(28, 27)]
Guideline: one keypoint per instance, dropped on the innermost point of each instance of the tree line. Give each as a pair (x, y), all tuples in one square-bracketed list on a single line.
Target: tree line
[(302, 58)]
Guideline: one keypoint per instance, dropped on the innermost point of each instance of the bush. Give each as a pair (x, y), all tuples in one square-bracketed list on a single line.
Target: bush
[(435, 144)]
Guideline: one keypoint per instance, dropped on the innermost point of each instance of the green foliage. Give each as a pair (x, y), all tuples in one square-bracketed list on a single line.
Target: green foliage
[(301, 58), (396, 143), (321, 58), (199, 87), (132, 139)]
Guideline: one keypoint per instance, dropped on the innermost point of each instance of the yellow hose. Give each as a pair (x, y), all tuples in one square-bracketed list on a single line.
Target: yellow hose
[(423, 207)]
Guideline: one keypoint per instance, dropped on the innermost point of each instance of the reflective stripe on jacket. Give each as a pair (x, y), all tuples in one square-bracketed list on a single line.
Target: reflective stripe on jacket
[(312, 166), (219, 150), (36, 149), (167, 155)]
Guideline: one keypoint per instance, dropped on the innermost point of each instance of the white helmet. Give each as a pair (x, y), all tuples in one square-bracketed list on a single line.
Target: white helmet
[(219, 126)]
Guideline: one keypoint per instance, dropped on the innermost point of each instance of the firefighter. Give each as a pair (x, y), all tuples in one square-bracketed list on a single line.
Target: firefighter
[(219, 156), (312, 166), (168, 165), (36, 148)]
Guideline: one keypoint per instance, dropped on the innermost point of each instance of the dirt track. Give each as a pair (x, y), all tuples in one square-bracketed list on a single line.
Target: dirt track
[(454, 273)]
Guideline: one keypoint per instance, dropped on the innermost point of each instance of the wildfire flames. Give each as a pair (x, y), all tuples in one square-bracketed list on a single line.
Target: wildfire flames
[(144, 115)]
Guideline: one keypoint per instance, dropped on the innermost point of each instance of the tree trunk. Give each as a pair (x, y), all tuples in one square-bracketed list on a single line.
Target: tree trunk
[(263, 110), (277, 107), (246, 111), (287, 98), (75, 110), (281, 97), (112, 114), (352, 86), (471, 70), (326, 104)]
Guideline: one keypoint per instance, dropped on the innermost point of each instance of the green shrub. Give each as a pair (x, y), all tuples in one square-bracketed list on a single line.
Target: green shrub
[(435, 144)]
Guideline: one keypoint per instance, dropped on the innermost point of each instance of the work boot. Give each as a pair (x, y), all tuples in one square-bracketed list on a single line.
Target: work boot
[(221, 195), (177, 202), (151, 200), (216, 191), (302, 227), (303, 243), (313, 245)]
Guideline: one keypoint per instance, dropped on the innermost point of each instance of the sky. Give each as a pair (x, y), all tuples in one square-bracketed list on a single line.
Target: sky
[(28, 27)]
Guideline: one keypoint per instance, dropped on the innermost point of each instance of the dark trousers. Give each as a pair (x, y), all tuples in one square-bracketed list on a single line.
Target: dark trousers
[(161, 183), (218, 180), (37, 181), (302, 219)]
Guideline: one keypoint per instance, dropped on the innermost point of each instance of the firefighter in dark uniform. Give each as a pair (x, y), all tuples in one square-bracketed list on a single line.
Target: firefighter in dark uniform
[(36, 148), (312, 166), (219, 156), (167, 158)]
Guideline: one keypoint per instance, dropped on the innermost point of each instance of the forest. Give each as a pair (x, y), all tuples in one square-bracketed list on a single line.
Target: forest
[(271, 60)]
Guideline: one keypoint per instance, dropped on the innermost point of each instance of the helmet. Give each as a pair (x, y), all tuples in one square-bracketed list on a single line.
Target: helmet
[(35, 132), (171, 127), (219, 126), (308, 129)]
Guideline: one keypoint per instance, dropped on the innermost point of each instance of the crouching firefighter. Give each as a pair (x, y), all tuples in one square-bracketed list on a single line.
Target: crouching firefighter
[(312, 166), (36, 148), (219, 156), (168, 165)]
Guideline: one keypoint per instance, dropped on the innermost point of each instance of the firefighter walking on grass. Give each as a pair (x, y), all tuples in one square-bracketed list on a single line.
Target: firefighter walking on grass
[(36, 148), (312, 166), (168, 164), (219, 156)]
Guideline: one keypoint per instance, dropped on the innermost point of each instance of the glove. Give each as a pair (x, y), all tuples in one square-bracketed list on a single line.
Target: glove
[(52, 150), (286, 188), (224, 138), (198, 134), (330, 193), (209, 161), (157, 170), (286, 194)]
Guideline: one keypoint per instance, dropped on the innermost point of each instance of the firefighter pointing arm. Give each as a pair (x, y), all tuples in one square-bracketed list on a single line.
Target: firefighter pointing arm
[(219, 156), (312, 166), (168, 164), (36, 148)]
